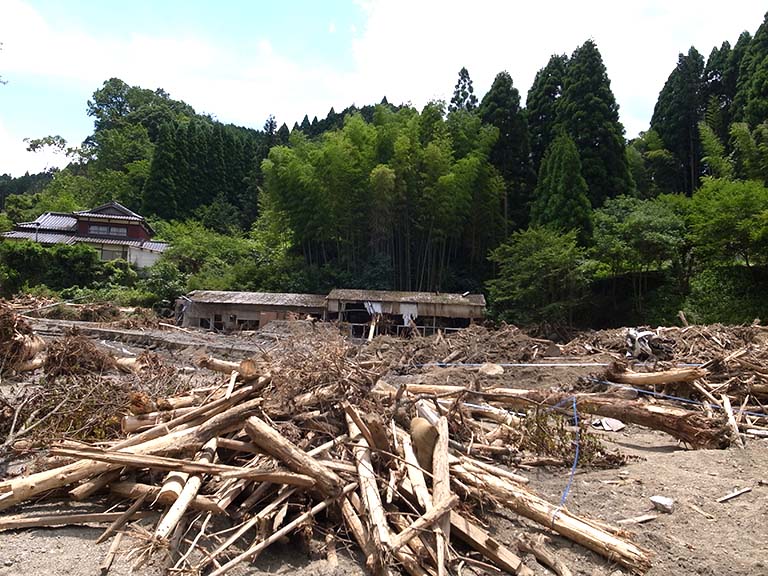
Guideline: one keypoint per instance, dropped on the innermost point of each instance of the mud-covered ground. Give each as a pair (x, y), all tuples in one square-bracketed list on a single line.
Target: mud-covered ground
[(700, 536)]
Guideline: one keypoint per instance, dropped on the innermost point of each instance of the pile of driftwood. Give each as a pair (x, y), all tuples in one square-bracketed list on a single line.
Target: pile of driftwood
[(283, 446), (309, 439)]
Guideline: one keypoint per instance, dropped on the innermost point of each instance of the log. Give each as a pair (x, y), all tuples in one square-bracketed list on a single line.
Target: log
[(685, 425), (371, 498), (735, 435), (273, 443), (136, 490), (361, 536), (86, 489), (647, 379), (523, 502), (416, 474), (48, 520), (173, 485), (206, 455), (287, 529), (537, 546), (135, 422), (189, 466), (247, 369)]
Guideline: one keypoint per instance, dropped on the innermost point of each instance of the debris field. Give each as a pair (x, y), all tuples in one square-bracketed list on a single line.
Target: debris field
[(395, 451)]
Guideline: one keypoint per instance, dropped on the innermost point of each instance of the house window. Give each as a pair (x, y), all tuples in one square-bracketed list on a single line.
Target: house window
[(104, 230), (114, 253)]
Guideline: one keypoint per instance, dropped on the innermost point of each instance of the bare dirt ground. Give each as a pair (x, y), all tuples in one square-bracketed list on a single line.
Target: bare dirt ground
[(700, 536)]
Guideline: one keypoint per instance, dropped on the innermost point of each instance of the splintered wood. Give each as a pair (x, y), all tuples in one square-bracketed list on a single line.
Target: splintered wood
[(310, 440)]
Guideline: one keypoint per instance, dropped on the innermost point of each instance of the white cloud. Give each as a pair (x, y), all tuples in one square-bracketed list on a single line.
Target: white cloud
[(16, 160), (409, 51)]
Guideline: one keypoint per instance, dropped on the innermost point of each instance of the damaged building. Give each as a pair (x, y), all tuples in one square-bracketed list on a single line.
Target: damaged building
[(229, 311), (369, 312)]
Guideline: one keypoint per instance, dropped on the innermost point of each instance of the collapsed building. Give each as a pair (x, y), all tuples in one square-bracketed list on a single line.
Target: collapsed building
[(365, 312)]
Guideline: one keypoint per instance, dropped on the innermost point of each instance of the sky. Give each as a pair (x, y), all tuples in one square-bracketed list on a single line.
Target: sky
[(242, 60)]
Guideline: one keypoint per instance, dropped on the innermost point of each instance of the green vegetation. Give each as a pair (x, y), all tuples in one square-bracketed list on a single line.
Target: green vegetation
[(546, 207)]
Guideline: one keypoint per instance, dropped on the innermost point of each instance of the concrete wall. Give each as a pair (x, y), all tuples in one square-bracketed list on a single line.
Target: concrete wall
[(142, 258)]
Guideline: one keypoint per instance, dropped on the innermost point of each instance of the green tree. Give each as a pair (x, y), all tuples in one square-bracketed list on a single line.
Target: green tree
[(543, 277), (463, 94), (589, 113), (715, 161), (161, 192), (561, 193), (677, 114), (511, 155), (728, 221), (541, 106), (751, 100)]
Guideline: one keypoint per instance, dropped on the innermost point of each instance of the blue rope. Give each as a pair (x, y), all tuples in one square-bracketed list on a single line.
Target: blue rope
[(575, 464)]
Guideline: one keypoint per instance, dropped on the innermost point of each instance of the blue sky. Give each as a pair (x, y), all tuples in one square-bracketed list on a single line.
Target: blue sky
[(243, 60)]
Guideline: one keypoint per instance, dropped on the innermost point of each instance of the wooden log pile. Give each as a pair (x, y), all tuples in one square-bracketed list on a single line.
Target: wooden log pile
[(269, 457)]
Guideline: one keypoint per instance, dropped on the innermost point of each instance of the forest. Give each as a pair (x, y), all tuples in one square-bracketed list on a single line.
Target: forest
[(542, 204)]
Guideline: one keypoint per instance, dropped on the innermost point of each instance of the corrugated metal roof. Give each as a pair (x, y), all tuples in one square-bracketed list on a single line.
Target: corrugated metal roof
[(46, 238), (51, 221), (258, 298), (408, 297)]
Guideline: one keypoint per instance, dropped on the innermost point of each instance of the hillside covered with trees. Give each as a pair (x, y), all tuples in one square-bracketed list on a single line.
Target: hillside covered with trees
[(541, 202)]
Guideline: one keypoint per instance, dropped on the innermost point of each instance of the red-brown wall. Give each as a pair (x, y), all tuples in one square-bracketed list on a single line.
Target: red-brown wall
[(135, 231)]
